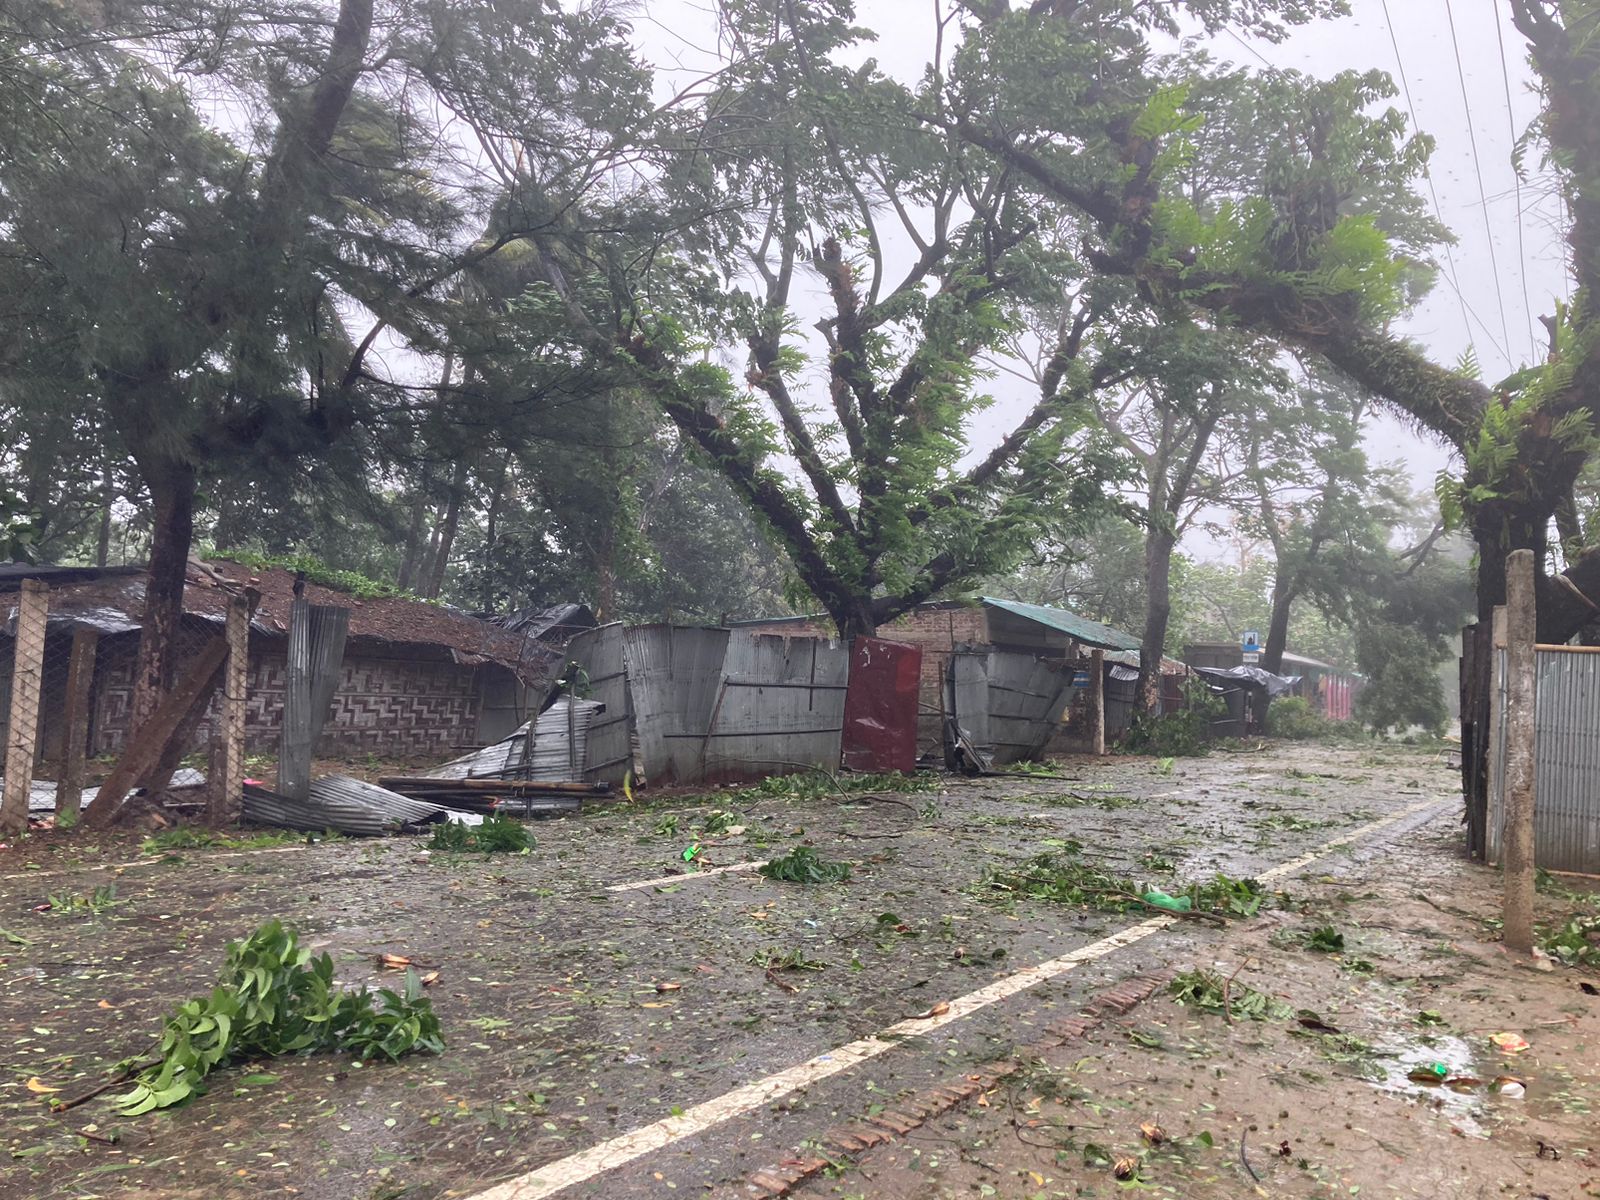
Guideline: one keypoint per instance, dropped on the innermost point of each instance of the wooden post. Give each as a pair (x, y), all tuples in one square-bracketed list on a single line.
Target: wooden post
[(228, 767), (22, 727), (1521, 684), (1097, 701), (75, 722)]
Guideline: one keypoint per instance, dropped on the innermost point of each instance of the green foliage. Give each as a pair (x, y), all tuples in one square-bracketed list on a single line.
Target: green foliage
[(1061, 876), (495, 834), (1210, 992), (1403, 689), (189, 837), (1575, 943), (719, 821), (318, 572), (76, 904), (1182, 734), (1325, 940), (1295, 718), (273, 997), (802, 865), (776, 959)]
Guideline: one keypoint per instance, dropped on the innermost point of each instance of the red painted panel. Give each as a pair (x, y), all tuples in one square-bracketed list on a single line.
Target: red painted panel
[(880, 706)]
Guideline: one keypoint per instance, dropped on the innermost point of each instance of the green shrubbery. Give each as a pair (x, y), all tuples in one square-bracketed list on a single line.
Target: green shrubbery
[(1185, 733)]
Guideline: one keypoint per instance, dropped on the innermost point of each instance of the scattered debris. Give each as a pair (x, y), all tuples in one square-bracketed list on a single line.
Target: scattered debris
[(1211, 992), (1510, 1043)]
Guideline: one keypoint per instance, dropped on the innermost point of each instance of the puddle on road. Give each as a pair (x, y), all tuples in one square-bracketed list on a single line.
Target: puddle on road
[(1450, 1094)]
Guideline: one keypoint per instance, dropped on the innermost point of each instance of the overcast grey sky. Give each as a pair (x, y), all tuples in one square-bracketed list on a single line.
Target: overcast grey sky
[(1505, 269)]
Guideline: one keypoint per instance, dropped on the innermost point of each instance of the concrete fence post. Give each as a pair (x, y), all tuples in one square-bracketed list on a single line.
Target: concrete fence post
[(22, 727), (227, 788), (1517, 849)]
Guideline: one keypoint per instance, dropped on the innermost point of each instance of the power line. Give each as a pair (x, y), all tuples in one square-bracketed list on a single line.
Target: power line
[(1433, 192), (1516, 171), (1477, 167)]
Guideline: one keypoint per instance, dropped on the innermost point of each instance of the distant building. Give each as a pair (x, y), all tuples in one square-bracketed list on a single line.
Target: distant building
[(1331, 690)]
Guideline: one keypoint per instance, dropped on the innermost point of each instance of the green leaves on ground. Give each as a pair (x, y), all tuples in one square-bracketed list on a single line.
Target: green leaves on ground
[(775, 959), (1211, 992), (274, 998), (1062, 877), (186, 837), (802, 865), (69, 904), (496, 835), (1326, 940), (1577, 943)]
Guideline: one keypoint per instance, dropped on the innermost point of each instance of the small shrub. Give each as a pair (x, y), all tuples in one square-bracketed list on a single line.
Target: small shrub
[(274, 998), (496, 835), (802, 865), (1185, 733)]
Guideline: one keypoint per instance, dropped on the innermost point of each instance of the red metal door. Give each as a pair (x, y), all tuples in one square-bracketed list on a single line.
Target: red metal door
[(880, 706)]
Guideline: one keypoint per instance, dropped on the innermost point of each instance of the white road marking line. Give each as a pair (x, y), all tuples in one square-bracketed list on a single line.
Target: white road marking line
[(578, 1168), (685, 877), (152, 861)]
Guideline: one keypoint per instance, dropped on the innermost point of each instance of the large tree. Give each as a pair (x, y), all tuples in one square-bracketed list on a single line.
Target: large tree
[(1302, 242)]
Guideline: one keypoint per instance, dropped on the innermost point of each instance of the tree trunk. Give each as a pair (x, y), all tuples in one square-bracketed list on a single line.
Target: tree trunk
[(1283, 597), (491, 533), (1158, 547), (172, 487), (108, 497), (446, 533), (412, 560)]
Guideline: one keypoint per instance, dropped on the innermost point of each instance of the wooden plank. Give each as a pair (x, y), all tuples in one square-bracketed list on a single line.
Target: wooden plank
[(75, 721), (141, 757)]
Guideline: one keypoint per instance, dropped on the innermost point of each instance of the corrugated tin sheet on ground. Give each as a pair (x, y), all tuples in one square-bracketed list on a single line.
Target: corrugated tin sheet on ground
[(561, 741), (779, 707), (608, 746), (1566, 762)]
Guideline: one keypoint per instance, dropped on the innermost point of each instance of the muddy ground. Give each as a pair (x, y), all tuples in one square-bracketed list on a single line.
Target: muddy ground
[(558, 1039)]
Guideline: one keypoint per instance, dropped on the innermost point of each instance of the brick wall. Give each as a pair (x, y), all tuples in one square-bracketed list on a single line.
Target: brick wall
[(938, 630), (399, 708)]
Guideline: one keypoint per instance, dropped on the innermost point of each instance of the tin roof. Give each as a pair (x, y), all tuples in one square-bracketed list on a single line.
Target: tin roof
[(1081, 629)]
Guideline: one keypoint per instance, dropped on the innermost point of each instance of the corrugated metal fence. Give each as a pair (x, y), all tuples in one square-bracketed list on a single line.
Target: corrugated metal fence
[(1008, 703), (1566, 760)]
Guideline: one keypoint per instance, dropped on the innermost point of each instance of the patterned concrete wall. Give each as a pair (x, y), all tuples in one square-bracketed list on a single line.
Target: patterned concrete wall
[(394, 707)]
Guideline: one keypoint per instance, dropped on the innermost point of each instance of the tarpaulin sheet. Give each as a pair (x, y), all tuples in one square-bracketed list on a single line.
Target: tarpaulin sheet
[(880, 707)]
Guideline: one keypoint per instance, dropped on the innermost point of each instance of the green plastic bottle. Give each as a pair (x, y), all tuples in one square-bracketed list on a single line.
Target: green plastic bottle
[(1160, 899)]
